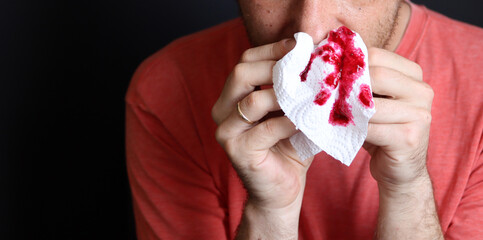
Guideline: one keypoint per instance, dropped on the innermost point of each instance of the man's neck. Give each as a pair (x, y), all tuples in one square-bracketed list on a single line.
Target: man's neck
[(402, 22)]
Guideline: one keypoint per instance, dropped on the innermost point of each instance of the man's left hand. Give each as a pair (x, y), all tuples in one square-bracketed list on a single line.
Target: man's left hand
[(397, 140), (398, 132)]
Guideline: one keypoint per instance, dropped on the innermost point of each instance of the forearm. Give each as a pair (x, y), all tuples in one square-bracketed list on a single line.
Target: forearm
[(408, 212), (259, 223)]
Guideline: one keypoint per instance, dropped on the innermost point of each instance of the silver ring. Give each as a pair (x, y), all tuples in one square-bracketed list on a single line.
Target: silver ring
[(243, 115)]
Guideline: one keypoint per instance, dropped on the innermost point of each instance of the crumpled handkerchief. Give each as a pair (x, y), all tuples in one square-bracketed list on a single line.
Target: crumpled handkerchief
[(325, 90)]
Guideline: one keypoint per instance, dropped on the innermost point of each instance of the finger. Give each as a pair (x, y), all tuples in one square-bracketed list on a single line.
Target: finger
[(257, 104), (274, 51), (396, 112), (383, 58), (370, 148), (254, 107), (243, 80), (398, 137), (268, 133), (389, 82), (384, 135), (246, 76)]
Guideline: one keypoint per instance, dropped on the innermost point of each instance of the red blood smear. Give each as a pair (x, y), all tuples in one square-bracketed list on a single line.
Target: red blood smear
[(331, 79), (365, 96), (348, 66), (303, 74), (341, 113), (322, 97)]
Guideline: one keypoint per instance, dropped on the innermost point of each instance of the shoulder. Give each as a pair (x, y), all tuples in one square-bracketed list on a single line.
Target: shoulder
[(185, 58), (449, 52), (461, 39), (451, 48), (440, 20)]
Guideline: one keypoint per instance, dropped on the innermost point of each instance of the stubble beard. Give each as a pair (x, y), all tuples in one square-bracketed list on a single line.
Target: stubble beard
[(387, 28), (384, 32)]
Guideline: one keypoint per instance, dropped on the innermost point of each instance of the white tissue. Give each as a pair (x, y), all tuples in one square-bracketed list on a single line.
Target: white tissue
[(296, 98)]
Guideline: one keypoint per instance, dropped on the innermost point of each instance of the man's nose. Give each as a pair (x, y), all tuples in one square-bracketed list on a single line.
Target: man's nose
[(316, 17)]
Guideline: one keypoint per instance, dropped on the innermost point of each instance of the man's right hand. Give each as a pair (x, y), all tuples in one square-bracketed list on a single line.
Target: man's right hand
[(261, 154)]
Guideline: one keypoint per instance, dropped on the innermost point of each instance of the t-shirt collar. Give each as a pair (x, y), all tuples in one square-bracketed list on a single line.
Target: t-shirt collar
[(414, 31)]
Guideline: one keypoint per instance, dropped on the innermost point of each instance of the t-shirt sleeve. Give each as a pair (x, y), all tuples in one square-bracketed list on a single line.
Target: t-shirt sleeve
[(467, 222), (174, 195)]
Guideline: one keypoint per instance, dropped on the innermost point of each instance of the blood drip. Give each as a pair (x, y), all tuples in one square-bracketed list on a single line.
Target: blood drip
[(303, 74), (348, 63)]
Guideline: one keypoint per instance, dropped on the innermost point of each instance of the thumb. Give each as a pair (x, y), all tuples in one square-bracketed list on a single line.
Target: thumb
[(273, 51), (370, 148)]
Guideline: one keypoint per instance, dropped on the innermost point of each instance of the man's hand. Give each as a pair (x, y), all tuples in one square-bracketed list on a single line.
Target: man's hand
[(260, 152), (398, 141), (400, 126)]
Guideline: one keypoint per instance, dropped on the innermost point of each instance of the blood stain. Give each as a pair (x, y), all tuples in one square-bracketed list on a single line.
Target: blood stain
[(365, 96), (348, 62), (322, 97)]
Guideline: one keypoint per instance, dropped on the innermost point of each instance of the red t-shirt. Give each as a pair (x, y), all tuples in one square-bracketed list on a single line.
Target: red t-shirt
[(184, 187)]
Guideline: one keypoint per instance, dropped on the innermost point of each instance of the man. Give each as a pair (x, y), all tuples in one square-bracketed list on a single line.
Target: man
[(419, 175)]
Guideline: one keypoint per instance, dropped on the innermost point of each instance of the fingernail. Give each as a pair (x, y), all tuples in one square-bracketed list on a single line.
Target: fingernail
[(289, 44)]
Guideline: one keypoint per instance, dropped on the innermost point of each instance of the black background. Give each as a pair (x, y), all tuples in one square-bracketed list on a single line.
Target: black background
[(65, 67)]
